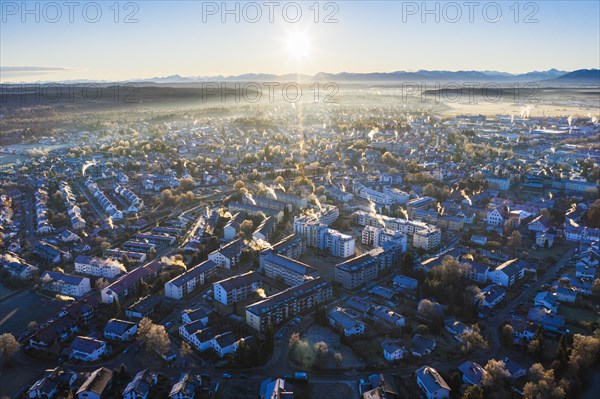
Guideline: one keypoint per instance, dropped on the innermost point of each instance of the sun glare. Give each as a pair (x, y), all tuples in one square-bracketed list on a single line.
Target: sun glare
[(298, 45)]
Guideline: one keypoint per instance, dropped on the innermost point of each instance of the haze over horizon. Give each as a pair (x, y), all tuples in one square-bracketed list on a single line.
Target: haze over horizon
[(187, 40)]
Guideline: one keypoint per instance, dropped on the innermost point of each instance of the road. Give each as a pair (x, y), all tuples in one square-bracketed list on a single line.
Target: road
[(492, 327)]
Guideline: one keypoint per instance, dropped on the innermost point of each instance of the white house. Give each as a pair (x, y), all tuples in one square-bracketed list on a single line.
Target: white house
[(96, 385), (393, 349), (87, 349), (497, 216), (120, 330), (224, 344)]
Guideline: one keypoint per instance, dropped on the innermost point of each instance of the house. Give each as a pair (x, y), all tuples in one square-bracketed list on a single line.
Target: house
[(523, 330), (391, 319), (96, 385), (497, 216), (540, 224), (139, 387), (66, 284), (224, 344), (432, 384), (393, 349), (383, 386), (52, 381), (202, 338), (143, 307), (17, 267), (472, 373), (550, 322), (120, 330), (566, 294), (507, 273), (233, 226), (585, 271), (87, 349), (404, 283), (457, 328), (544, 240), (192, 315), (491, 296), (547, 300), (345, 322), (422, 346), (265, 229), (276, 389), (514, 369), (58, 330), (50, 252), (476, 271), (68, 236), (185, 387)]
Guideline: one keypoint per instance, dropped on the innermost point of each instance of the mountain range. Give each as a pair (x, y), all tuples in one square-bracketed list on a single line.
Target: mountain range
[(580, 77)]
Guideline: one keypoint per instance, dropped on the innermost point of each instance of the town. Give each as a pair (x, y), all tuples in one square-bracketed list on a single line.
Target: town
[(367, 250)]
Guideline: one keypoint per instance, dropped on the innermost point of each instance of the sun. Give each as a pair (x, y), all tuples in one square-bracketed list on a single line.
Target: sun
[(298, 45)]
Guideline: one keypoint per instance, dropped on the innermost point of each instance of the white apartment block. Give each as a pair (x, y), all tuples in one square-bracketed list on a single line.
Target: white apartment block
[(98, 267)]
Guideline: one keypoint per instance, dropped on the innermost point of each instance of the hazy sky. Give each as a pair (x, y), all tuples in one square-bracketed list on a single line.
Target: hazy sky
[(185, 38)]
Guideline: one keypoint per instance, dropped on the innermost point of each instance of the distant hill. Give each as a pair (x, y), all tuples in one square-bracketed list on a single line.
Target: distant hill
[(582, 75)]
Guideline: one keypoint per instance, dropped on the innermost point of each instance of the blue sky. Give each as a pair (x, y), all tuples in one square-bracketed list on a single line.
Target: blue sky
[(172, 38)]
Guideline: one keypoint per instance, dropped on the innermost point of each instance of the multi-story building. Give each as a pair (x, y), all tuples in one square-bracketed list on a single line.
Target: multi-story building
[(498, 183), (119, 254), (288, 303), (236, 288), (98, 267), (66, 284), (229, 255), (317, 234), (398, 196), (339, 244), (418, 204), (376, 237), (507, 273), (427, 238), (189, 281), (377, 197), (290, 271), (357, 271), (292, 246)]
